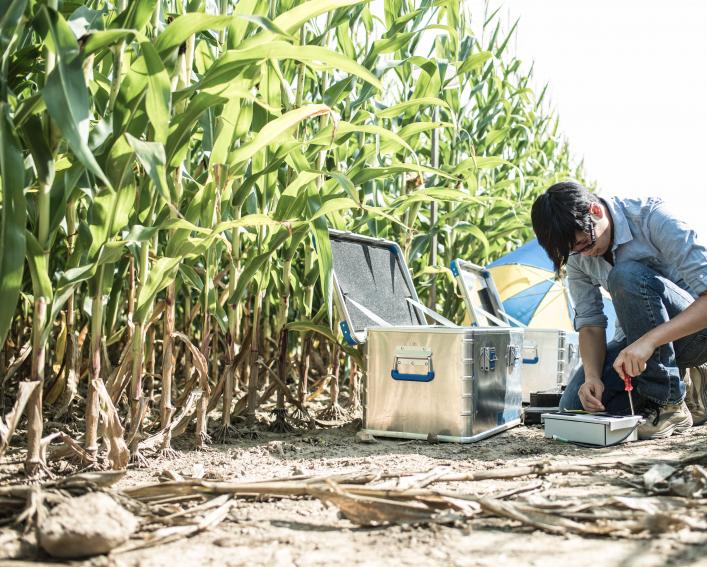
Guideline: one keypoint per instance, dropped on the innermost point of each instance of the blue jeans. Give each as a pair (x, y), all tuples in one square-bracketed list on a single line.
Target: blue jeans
[(643, 299)]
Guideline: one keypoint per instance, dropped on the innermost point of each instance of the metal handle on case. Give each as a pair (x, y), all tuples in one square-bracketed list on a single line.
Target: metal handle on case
[(533, 358), (488, 359), (425, 362)]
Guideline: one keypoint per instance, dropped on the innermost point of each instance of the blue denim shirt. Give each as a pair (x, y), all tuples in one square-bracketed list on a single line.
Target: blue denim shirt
[(645, 231)]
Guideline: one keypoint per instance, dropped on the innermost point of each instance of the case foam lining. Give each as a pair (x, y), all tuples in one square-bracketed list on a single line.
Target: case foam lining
[(371, 274)]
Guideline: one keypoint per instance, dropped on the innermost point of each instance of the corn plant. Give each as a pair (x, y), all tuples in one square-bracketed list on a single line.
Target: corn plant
[(169, 173)]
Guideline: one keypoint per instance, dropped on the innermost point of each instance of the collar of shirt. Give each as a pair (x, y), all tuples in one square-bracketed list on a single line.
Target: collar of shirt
[(622, 231)]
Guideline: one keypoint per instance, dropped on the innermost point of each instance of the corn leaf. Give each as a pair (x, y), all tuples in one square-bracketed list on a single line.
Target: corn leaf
[(186, 25), (13, 217), (275, 129), (65, 93)]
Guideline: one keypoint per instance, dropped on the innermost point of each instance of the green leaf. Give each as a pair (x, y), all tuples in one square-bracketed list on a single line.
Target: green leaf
[(13, 217), (326, 332), (84, 20), (292, 20), (435, 194), (11, 13), (495, 136), (108, 213), (158, 97), (288, 198), (39, 267), (267, 24), (370, 173), (480, 162), (322, 244), (119, 165), (190, 277), (152, 158), (231, 64), (65, 93), (273, 130), (33, 135), (182, 124), (254, 267), (187, 25), (411, 130), (162, 273), (333, 205), (343, 128), (226, 127), (239, 26), (477, 233), (137, 14), (107, 38), (474, 61), (346, 184), (402, 107)]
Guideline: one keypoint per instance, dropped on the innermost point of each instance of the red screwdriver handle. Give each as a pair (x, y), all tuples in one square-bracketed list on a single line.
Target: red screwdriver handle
[(628, 386)]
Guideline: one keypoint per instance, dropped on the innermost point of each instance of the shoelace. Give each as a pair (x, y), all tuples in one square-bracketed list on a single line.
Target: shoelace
[(657, 415)]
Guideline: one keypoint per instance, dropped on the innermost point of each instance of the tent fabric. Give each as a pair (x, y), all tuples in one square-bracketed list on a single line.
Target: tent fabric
[(525, 304), (514, 278), (530, 254), (531, 292)]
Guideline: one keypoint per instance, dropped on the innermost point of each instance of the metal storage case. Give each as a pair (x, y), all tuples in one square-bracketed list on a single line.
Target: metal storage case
[(453, 383), (550, 356)]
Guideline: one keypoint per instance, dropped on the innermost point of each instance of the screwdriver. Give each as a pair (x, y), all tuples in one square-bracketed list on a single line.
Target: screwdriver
[(628, 386)]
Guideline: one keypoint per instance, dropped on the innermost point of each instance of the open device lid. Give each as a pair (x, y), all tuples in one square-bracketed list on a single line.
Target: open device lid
[(372, 285), (480, 295)]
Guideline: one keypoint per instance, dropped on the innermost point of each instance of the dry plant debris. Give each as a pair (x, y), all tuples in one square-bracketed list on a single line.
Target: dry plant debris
[(665, 497)]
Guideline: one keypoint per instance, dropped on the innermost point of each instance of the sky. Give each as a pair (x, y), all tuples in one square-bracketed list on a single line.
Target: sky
[(628, 80)]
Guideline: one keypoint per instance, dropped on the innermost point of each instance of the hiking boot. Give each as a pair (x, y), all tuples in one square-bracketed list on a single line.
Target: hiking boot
[(663, 421), (696, 397)]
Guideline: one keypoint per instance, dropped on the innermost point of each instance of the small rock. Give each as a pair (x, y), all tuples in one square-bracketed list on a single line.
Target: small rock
[(228, 541), (276, 448), (88, 525), (365, 437)]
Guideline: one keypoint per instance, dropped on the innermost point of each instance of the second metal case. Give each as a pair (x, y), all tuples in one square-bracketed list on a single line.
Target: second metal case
[(442, 381), (550, 356)]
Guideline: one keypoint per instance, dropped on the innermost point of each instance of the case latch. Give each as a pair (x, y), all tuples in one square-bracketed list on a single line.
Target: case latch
[(571, 352), (513, 355), (488, 358)]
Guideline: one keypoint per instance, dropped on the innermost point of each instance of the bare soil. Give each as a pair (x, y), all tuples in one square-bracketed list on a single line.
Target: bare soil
[(283, 532)]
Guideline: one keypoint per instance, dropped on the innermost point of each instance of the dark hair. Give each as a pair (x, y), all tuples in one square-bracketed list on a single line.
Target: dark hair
[(558, 214)]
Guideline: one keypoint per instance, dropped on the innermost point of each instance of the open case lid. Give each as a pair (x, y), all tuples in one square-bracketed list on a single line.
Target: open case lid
[(480, 294), (372, 285)]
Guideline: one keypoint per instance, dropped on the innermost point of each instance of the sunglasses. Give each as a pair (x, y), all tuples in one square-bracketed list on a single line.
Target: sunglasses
[(590, 245)]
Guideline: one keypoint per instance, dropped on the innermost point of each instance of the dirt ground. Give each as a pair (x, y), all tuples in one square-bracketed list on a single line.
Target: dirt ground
[(301, 532)]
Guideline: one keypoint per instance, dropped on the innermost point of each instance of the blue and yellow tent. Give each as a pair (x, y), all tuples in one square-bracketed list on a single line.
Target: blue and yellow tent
[(531, 293)]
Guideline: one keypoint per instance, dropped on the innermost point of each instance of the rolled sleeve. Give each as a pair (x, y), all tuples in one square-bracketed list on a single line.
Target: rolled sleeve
[(586, 296), (679, 246)]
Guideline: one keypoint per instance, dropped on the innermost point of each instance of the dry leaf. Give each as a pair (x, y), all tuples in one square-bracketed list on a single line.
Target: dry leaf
[(118, 453), (656, 477), (7, 426)]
